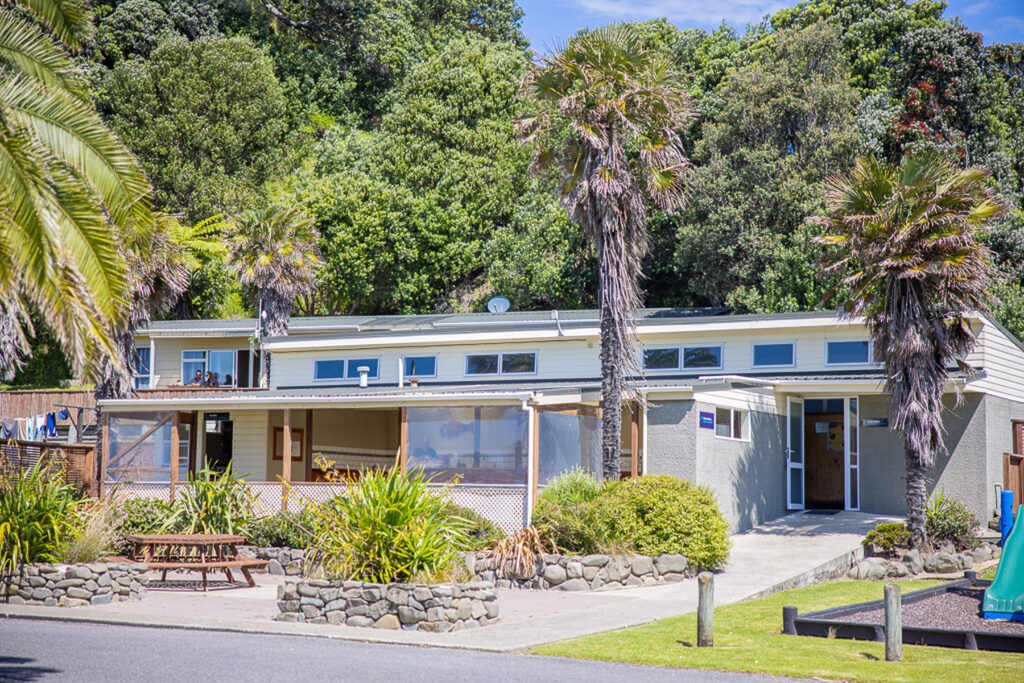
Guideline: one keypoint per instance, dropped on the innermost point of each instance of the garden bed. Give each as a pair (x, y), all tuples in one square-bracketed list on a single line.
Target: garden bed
[(580, 573), (947, 615), (74, 585), (438, 608)]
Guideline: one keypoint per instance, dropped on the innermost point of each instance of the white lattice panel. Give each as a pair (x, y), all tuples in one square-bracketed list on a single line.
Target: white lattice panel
[(503, 505), (302, 494), (266, 497), (133, 490)]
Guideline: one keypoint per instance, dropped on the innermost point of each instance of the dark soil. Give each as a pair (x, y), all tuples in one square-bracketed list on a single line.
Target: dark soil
[(958, 609)]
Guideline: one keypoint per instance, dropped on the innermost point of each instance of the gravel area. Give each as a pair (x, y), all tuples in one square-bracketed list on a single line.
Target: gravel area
[(958, 609)]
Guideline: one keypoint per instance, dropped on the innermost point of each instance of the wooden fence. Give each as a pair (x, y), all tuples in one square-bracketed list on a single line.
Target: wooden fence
[(77, 462)]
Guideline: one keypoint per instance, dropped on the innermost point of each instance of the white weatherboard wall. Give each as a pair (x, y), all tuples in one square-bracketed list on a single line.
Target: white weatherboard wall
[(167, 367), (249, 446), (1003, 362)]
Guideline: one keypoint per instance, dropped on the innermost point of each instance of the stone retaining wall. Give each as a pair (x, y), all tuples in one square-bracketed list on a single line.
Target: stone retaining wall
[(74, 585), (580, 573), (414, 607), (280, 561), (943, 562)]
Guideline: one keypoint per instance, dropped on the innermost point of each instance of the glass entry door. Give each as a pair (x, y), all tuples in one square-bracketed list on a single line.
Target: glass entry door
[(852, 454), (795, 453)]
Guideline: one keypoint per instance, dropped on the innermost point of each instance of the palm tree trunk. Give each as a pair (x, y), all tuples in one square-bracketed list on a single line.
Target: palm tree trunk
[(917, 498), (611, 396)]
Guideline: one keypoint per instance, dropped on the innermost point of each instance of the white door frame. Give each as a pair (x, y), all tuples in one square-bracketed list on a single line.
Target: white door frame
[(797, 404), (851, 471)]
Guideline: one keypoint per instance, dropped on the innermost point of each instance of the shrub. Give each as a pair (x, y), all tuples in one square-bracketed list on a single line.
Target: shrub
[(138, 516), (659, 514), (568, 513), (947, 520), (388, 527), (213, 503), (93, 534), (282, 530), (886, 537), (480, 531), (38, 511), (516, 555)]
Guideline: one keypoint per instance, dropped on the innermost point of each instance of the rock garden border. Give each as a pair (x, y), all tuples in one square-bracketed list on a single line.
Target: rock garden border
[(280, 561), (74, 585), (580, 573), (913, 563), (437, 608)]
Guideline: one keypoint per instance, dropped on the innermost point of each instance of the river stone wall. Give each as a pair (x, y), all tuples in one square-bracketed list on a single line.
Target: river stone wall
[(74, 585), (913, 563), (280, 561), (580, 573), (437, 608)]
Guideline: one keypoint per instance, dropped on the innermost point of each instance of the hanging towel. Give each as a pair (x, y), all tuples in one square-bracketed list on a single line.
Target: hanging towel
[(20, 428), (63, 414), (6, 430), (51, 425)]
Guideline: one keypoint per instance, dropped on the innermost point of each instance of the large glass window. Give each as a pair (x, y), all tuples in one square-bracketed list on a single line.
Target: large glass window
[(661, 359), (193, 367), (847, 352), (768, 355), (142, 368), (516, 363), (567, 439), (221, 369), (482, 364), (485, 445), (140, 448), (702, 357), (420, 366), (328, 369)]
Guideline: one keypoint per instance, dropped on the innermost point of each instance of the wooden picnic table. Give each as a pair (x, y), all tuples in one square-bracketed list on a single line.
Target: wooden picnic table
[(194, 552)]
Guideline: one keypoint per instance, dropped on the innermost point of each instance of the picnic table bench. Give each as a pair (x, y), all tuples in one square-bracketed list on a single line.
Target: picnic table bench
[(194, 552)]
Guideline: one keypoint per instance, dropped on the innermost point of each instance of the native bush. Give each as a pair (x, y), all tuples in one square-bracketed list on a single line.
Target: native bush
[(212, 503), (947, 520), (138, 516), (886, 537), (388, 527), (480, 531), (658, 514), (283, 530), (38, 512), (569, 513)]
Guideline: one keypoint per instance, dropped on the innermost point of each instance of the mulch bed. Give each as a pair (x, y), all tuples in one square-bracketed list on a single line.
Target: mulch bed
[(958, 609)]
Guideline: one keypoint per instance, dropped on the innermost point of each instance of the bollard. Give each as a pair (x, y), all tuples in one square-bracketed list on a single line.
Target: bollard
[(789, 621), (1005, 515), (893, 624), (706, 609)]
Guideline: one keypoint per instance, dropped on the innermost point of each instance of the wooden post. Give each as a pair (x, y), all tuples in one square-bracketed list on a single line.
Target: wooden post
[(175, 453), (634, 441), (535, 461), (706, 609), (286, 458), (893, 624), (104, 455), (403, 439), (307, 445)]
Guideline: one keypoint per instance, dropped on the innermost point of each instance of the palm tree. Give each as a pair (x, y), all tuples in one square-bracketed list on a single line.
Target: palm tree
[(908, 243), (607, 112), (70, 192), (274, 252)]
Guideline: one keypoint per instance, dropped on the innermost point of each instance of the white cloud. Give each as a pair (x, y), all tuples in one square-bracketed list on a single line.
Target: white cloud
[(686, 12), (977, 8)]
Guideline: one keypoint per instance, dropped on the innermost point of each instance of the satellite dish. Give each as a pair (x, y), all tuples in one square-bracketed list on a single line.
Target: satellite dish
[(498, 304)]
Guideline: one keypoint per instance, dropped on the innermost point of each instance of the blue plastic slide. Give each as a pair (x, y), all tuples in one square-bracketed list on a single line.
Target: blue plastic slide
[(1004, 599)]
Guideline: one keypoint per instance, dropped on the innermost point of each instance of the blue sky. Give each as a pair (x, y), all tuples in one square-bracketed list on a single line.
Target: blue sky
[(548, 21)]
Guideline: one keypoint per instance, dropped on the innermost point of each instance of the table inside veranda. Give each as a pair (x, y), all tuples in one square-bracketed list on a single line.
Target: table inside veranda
[(194, 552)]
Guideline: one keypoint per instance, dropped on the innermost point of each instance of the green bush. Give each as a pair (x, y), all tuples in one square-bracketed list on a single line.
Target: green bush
[(480, 531), (569, 513), (212, 503), (886, 537), (388, 527), (138, 516), (38, 512), (659, 514), (947, 520), (282, 530)]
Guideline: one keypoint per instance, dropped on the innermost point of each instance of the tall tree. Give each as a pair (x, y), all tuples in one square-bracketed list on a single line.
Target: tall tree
[(69, 190), (608, 109), (907, 242)]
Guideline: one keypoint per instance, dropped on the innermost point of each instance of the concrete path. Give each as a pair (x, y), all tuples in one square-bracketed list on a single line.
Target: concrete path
[(792, 551)]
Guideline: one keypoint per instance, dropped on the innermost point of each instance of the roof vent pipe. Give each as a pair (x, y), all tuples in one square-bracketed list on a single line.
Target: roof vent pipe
[(364, 376), (401, 372)]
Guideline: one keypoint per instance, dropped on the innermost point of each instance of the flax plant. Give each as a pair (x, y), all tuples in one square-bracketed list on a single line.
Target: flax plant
[(212, 503), (38, 511)]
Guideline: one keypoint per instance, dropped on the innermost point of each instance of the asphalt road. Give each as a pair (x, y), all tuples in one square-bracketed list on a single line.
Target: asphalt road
[(56, 651)]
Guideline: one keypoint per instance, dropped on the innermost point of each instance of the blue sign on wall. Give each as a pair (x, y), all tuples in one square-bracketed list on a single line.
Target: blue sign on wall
[(707, 420)]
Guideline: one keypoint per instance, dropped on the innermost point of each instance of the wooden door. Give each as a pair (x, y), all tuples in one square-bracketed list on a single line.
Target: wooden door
[(825, 485), (1013, 476)]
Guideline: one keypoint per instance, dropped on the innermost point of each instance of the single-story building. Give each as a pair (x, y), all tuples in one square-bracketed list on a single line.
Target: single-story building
[(773, 412)]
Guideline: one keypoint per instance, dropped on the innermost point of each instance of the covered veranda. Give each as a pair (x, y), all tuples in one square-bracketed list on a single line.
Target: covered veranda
[(491, 448)]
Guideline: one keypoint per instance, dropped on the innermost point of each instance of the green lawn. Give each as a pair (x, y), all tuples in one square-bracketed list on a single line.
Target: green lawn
[(747, 639)]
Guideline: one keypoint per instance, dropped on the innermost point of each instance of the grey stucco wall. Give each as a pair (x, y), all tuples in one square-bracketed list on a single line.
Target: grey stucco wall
[(999, 416), (963, 473), (747, 477)]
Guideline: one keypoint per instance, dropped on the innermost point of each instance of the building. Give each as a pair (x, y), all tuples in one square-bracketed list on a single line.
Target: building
[(773, 412)]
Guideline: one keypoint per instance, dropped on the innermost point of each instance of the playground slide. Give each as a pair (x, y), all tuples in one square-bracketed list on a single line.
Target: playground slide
[(1004, 599)]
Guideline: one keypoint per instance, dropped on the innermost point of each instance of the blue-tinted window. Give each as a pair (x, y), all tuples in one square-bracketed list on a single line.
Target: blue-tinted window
[(482, 364), (142, 368), (766, 355), (512, 363), (355, 363), (702, 357), (328, 369), (839, 352), (420, 366), (661, 359)]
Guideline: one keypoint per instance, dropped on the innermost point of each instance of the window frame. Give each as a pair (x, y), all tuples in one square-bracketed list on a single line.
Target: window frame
[(186, 381), (721, 356), (419, 375), (138, 378), (754, 345), (500, 354), (679, 358), (358, 361), (732, 423), (344, 370), (346, 362), (871, 352)]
